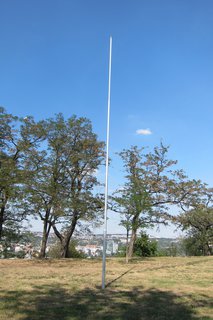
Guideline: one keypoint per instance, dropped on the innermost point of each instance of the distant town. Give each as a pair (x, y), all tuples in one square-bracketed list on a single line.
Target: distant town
[(90, 245)]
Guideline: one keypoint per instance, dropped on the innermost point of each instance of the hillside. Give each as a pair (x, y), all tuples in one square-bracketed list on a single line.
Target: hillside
[(155, 288)]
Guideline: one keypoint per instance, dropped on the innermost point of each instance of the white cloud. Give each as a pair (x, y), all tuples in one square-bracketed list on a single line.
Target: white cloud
[(144, 132)]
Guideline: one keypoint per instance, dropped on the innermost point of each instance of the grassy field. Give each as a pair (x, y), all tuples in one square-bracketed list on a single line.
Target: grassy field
[(150, 289)]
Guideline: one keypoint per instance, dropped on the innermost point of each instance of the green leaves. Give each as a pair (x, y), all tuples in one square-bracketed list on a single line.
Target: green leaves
[(152, 186), (198, 223), (49, 165)]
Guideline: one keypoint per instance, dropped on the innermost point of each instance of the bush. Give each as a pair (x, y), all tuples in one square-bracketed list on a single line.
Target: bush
[(144, 247), (54, 251)]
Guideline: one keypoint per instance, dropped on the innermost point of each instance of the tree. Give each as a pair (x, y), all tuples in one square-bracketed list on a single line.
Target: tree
[(83, 154), (191, 246), (151, 186), (17, 138), (8, 164), (198, 223), (144, 247), (61, 188), (44, 192), (126, 223)]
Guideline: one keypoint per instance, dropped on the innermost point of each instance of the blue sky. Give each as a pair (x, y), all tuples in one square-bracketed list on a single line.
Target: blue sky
[(54, 58)]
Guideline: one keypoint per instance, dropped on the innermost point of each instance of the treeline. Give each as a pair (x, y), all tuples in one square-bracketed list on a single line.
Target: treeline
[(48, 171), (164, 247)]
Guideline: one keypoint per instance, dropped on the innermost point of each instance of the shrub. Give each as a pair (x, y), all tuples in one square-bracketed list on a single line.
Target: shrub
[(54, 251), (144, 247)]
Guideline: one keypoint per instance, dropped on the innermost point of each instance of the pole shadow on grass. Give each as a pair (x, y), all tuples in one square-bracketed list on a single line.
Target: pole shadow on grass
[(119, 277), (56, 303)]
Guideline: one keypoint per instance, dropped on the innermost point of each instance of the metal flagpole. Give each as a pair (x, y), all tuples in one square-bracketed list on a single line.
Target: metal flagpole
[(107, 169)]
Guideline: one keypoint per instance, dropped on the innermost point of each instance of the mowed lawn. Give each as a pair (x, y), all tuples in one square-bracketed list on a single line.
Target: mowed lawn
[(155, 288)]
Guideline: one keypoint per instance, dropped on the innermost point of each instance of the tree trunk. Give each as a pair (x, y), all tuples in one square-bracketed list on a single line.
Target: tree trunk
[(66, 239), (209, 249), (131, 244), (127, 245), (46, 231), (64, 248), (206, 249), (1, 220)]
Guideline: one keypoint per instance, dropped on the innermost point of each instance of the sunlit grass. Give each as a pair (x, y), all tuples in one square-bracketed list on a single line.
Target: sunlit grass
[(156, 288)]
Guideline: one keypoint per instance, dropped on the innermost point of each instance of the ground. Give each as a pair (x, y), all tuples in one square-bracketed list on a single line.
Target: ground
[(150, 289)]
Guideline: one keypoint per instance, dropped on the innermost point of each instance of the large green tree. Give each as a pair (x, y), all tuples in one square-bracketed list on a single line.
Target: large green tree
[(83, 154), (152, 184), (198, 224), (63, 178), (18, 137), (44, 193)]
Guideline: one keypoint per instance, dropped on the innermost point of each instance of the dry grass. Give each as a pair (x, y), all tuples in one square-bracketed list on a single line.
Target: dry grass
[(150, 289)]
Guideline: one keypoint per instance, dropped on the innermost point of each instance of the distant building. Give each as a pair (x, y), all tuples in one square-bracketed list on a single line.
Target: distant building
[(90, 250), (112, 247)]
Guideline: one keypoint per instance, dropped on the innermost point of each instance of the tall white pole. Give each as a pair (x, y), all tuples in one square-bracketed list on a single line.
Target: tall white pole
[(107, 169)]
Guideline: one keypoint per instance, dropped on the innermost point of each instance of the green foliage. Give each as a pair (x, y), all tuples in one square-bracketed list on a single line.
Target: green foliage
[(192, 246), (61, 187), (12, 233), (144, 247), (199, 226), (18, 137), (151, 185), (47, 169), (55, 251), (172, 249)]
